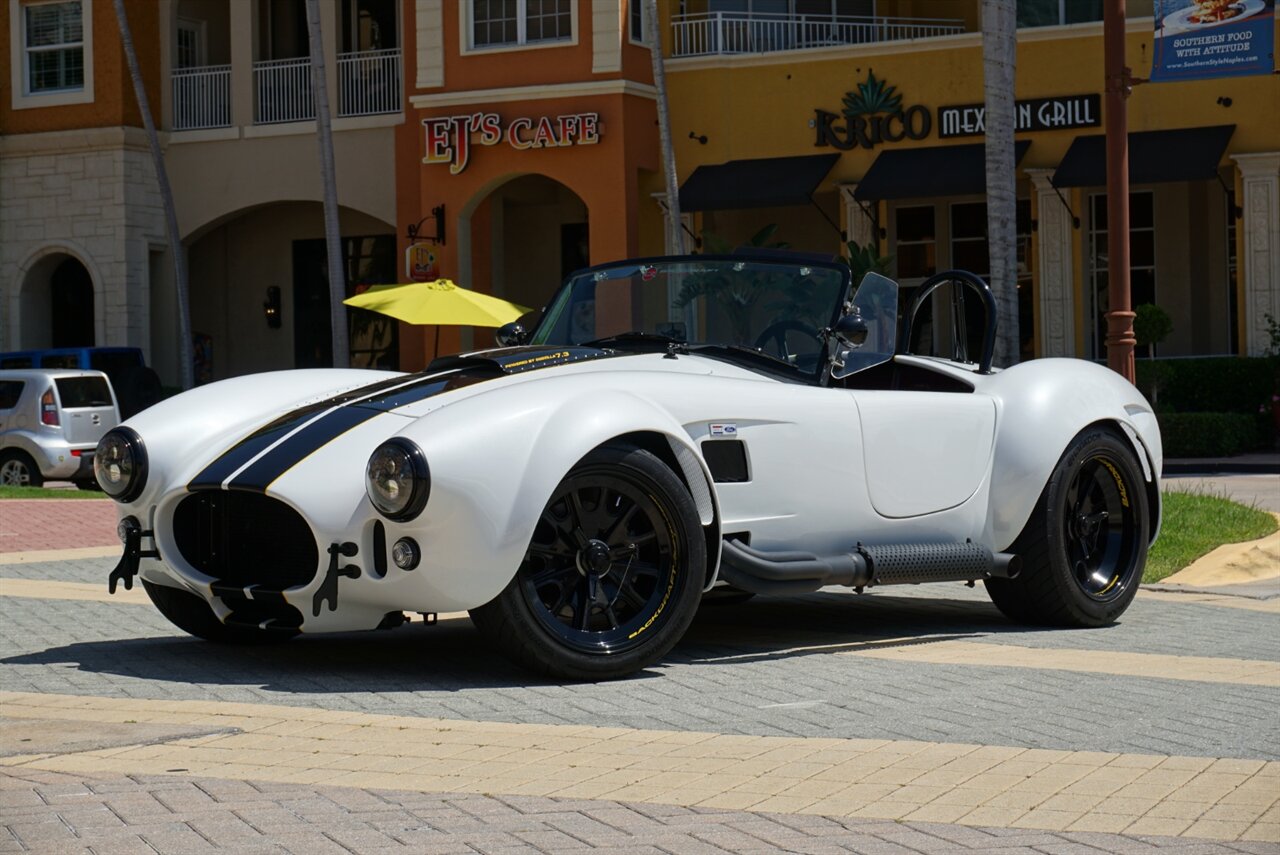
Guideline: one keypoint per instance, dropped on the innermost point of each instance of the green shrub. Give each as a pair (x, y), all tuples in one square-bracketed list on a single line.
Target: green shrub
[(1209, 434), (1209, 385)]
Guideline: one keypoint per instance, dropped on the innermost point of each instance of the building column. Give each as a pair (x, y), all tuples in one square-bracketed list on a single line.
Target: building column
[(242, 56), (1260, 261), (858, 227), (1055, 280)]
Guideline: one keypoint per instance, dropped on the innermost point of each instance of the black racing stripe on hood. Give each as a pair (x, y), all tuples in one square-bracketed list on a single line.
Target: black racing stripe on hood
[(350, 409), (213, 475)]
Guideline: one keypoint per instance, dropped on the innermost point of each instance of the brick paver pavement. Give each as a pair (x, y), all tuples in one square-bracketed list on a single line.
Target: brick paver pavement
[(31, 525), (51, 812)]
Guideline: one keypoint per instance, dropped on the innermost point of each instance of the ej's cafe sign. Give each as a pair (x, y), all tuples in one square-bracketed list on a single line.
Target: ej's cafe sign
[(449, 138)]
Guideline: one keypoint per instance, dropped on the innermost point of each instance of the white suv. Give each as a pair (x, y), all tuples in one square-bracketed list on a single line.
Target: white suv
[(50, 422)]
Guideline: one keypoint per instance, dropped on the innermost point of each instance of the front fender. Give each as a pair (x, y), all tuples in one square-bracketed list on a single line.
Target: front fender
[(1044, 403), (495, 461)]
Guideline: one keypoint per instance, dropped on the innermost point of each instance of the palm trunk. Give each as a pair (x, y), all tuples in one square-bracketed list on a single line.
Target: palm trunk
[(176, 249), (998, 59), (674, 234), (328, 176)]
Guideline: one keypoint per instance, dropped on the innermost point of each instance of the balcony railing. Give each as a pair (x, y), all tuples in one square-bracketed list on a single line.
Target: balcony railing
[(283, 91), (201, 97), (369, 82), (704, 33)]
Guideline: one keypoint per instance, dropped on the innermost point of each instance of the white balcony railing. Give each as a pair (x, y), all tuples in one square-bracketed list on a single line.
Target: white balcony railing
[(282, 90), (201, 97), (369, 82), (705, 33)]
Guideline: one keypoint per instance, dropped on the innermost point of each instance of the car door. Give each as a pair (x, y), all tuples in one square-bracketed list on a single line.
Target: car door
[(924, 452)]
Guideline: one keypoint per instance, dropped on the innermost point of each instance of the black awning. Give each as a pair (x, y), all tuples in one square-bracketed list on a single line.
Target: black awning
[(918, 173), (1183, 154), (760, 183)]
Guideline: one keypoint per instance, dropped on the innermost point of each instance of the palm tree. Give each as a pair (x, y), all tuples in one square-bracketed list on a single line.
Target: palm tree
[(176, 249), (675, 239), (328, 176), (999, 27)]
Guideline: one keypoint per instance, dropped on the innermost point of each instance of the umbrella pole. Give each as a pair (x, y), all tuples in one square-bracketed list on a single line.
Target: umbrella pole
[(436, 352)]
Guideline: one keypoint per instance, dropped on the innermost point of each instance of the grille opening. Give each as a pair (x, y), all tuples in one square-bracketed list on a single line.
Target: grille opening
[(245, 539)]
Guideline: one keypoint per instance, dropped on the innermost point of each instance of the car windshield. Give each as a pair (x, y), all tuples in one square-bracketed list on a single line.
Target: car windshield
[(761, 311)]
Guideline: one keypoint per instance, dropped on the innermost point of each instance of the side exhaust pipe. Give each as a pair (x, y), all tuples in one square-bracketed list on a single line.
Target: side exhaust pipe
[(786, 573)]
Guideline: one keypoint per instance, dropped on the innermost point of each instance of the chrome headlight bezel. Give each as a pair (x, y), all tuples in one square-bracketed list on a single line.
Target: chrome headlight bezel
[(124, 447), (409, 463)]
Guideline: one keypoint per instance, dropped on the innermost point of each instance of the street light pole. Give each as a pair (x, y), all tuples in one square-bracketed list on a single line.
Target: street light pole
[(1120, 337)]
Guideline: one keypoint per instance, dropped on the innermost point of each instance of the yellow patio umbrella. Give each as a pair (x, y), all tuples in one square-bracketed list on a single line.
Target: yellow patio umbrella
[(440, 302)]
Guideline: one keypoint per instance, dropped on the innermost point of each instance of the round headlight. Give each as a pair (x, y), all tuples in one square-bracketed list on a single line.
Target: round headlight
[(120, 464), (398, 480)]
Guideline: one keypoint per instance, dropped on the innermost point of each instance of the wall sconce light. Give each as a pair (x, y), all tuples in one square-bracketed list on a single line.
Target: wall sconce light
[(1224, 100), (417, 235), (702, 138), (271, 307)]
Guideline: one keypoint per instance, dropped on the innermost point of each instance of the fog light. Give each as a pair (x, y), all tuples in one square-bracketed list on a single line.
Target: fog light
[(406, 554), (125, 526)]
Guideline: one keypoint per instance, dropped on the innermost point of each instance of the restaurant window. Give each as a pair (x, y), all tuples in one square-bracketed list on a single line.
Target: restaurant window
[(916, 248), (518, 22), (1051, 13), (1142, 260), (53, 44), (637, 20)]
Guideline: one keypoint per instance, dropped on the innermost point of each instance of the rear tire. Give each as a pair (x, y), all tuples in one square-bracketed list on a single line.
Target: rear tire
[(1085, 545), (17, 469), (612, 576), (192, 615)]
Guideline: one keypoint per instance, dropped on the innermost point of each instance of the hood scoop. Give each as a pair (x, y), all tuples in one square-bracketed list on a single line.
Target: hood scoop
[(517, 360)]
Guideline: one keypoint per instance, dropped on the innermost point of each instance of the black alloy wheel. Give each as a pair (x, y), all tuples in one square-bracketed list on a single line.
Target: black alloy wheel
[(1085, 545), (612, 575), (602, 562), (1099, 529)]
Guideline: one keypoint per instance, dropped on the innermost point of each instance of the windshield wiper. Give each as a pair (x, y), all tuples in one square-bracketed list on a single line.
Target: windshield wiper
[(743, 350), (636, 337)]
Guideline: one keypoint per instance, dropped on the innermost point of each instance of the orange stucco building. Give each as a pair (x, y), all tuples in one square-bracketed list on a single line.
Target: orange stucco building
[(534, 153)]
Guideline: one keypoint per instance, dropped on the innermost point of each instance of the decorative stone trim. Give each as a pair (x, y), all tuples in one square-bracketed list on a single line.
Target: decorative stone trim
[(1260, 261), (1054, 263)]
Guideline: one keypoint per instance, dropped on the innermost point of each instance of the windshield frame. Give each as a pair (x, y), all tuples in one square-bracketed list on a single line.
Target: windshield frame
[(718, 350)]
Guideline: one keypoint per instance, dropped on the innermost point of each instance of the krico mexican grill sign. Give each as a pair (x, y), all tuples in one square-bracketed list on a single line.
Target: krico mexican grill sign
[(872, 114), (449, 139)]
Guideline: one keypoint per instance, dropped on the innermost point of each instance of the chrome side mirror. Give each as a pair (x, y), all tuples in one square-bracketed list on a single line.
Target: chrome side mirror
[(510, 335)]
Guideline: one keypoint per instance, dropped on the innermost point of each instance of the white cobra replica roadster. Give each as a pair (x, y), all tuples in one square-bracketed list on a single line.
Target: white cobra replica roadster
[(671, 426)]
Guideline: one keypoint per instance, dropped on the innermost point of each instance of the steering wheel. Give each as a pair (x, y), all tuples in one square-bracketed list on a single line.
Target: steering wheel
[(777, 331)]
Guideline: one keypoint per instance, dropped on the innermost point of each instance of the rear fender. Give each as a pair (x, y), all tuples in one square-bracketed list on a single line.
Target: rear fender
[(1044, 404)]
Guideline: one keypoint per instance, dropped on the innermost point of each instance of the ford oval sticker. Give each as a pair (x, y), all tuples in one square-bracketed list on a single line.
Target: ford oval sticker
[(724, 429)]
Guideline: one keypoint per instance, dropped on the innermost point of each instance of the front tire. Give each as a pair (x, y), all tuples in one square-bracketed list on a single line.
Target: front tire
[(1084, 548), (612, 576), (192, 615), (17, 469)]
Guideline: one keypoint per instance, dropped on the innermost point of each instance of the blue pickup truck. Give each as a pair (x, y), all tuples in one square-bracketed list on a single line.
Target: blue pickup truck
[(136, 385)]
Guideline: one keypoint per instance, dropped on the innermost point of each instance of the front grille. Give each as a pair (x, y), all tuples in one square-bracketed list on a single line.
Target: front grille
[(245, 539)]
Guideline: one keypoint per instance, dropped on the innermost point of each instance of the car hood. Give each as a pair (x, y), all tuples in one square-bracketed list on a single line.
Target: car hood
[(270, 448)]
